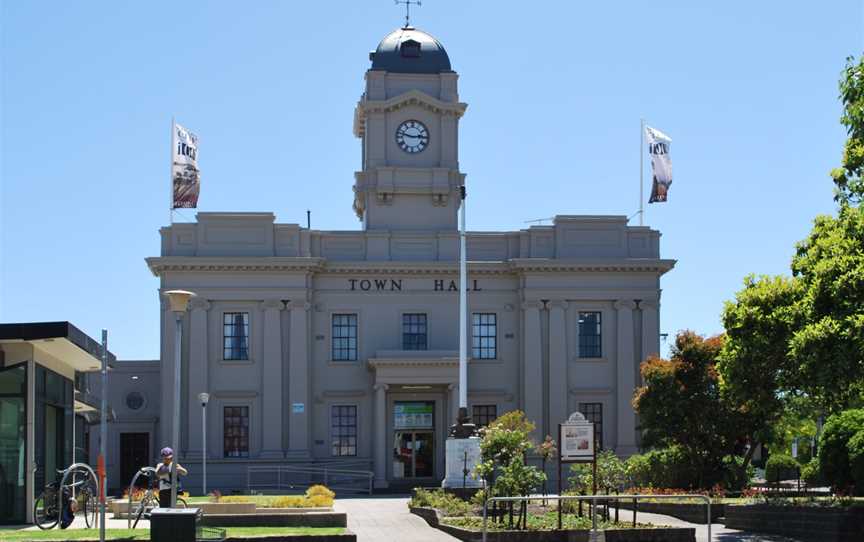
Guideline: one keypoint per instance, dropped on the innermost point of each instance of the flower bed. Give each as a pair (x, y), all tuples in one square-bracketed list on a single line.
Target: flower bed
[(544, 529)]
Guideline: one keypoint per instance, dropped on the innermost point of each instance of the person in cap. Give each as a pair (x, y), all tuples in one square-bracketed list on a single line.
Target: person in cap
[(163, 474)]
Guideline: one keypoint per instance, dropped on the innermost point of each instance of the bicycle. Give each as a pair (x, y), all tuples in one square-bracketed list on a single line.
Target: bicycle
[(150, 499), (45, 512)]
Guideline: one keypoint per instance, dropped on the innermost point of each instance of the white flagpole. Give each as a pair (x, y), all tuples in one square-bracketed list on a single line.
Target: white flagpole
[(171, 175), (641, 172)]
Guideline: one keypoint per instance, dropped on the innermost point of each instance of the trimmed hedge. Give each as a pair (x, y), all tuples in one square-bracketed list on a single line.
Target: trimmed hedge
[(781, 467)]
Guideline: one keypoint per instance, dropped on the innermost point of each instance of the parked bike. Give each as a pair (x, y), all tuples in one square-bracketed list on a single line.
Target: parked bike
[(77, 495)]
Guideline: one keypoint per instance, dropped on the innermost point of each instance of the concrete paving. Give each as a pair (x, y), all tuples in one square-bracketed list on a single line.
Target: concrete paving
[(386, 518)]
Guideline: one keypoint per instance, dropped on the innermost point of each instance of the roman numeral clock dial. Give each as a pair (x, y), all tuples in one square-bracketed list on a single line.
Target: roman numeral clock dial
[(412, 136)]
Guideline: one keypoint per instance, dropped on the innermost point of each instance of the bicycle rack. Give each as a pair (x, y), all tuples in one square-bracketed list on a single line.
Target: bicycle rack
[(71, 469), (150, 472)]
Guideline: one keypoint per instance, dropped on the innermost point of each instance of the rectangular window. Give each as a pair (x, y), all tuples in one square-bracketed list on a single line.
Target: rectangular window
[(589, 335), (235, 442), (483, 415), (344, 338), (343, 430), (484, 335), (414, 332), (235, 336), (593, 413)]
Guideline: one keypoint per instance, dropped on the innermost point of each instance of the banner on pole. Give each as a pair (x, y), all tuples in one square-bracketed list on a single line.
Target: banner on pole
[(661, 164), (185, 176)]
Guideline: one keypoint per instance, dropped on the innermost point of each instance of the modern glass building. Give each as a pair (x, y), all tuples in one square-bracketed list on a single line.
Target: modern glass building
[(43, 427)]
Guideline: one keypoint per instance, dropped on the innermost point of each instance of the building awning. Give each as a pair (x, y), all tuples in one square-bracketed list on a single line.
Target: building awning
[(60, 340)]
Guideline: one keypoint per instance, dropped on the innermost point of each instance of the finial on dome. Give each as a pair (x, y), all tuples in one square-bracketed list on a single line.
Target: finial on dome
[(408, 10)]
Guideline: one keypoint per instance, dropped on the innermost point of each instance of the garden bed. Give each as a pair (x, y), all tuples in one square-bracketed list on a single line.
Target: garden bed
[(472, 532), (264, 518), (818, 523)]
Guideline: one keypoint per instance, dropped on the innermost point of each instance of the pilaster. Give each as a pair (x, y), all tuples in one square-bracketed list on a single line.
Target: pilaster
[(626, 385), (271, 379), (558, 362), (198, 371), (298, 381), (650, 328), (532, 366)]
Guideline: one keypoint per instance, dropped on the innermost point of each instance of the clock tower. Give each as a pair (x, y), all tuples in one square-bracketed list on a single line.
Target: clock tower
[(408, 123)]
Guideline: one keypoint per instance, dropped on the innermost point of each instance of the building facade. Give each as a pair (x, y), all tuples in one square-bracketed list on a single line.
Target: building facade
[(46, 411), (341, 346)]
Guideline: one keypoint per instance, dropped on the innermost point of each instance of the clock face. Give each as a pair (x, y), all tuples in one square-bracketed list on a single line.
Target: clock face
[(412, 136)]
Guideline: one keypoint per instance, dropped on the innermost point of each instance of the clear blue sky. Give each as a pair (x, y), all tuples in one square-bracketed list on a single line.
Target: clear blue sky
[(747, 90)]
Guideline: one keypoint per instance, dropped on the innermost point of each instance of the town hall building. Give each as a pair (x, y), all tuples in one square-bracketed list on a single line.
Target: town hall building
[(341, 346)]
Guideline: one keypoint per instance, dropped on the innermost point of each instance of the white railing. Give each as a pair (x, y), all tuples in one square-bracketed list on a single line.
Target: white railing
[(282, 477), (593, 499)]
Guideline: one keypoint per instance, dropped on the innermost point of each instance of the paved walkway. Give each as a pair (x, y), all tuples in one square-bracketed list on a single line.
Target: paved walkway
[(387, 518)]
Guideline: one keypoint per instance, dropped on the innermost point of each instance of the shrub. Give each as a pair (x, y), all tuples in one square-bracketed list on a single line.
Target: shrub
[(288, 501), (323, 493), (734, 478), (780, 467), (810, 473), (611, 474), (447, 503), (668, 467), (834, 450), (856, 461)]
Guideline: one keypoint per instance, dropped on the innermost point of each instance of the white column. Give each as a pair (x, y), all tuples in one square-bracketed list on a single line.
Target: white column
[(532, 364), (198, 369), (558, 362), (626, 379), (453, 402), (271, 379), (380, 447), (298, 381)]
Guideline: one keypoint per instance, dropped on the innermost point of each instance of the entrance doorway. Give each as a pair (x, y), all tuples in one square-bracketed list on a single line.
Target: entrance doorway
[(413, 439), (134, 454), (414, 454)]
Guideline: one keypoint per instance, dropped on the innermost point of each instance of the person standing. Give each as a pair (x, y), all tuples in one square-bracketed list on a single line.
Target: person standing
[(163, 475)]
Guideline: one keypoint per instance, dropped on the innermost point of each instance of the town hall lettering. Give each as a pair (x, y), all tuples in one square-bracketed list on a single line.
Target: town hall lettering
[(393, 285)]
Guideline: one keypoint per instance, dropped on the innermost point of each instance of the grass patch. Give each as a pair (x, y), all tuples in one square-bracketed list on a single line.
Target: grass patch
[(144, 534)]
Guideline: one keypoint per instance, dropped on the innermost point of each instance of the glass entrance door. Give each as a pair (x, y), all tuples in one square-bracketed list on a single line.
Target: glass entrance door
[(414, 454), (414, 439)]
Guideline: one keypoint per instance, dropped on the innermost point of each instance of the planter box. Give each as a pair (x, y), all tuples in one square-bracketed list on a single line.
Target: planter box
[(121, 508), (345, 537), (670, 534), (822, 524), (269, 519), (691, 512)]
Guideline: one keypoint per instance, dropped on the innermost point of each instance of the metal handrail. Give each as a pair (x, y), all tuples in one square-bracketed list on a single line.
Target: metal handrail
[(324, 470), (593, 499)]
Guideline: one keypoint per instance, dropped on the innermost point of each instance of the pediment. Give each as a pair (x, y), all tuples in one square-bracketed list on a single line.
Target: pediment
[(411, 98)]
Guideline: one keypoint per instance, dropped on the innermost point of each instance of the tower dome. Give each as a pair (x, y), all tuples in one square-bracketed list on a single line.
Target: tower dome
[(409, 50)]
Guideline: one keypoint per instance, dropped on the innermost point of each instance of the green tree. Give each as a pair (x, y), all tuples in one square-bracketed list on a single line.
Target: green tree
[(756, 370), (848, 177), (829, 347), (680, 404)]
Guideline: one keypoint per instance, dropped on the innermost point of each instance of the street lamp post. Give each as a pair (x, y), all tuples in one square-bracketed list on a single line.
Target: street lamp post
[(204, 397), (179, 300)]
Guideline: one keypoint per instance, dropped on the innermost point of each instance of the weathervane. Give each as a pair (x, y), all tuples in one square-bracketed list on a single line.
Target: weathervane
[(408, 9)]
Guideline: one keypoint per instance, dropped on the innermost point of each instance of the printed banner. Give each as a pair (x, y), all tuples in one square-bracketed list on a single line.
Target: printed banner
[(185, 175), (661, 164)]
